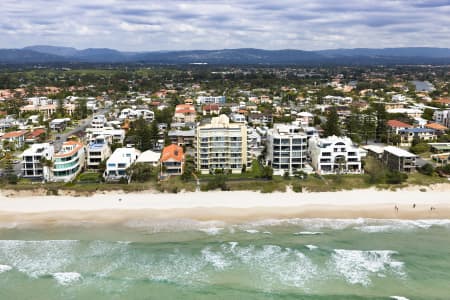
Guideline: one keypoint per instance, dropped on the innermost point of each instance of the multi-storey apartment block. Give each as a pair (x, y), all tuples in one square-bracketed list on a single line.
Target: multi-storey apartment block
[(286, 149), (69, 161), (221, 145), (33, 161), (334, 155)]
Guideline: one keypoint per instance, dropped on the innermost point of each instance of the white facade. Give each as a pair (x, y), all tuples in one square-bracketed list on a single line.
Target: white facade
[(286, 149), (98, 121), (442, 117), (210, 100), (69, 161), (334, 155), (111, 134), (237, 118), (129, 113), (221, 145), (118, 163), (98, 150), (32, 161)]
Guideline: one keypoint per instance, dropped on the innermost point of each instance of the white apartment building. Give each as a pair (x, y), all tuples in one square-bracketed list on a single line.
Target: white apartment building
[(98, 150), (69, 161), (221, 145), (287, 147), (98, 121), (442, 117), (112, 135), (210, 100), (130, 113), (238, 118), (32, 161), (334, 155), (118, 163)]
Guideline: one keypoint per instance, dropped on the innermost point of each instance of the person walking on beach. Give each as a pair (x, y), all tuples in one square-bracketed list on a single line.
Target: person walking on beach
[(396, 208), (414, 205)]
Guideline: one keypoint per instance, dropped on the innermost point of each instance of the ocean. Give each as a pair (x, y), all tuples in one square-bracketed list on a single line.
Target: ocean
[(269, 259)]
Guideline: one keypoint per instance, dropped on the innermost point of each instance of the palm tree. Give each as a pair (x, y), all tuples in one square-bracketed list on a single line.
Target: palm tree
[(340, 161)]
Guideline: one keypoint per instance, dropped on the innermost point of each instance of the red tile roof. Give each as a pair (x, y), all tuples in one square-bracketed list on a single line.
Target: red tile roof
[(13, 134), (210, 107), (36, 133), (436, 126), (398, 124), (172, 152)]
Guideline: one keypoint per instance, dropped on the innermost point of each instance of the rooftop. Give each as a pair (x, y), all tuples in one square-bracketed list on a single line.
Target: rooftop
[(172, 152), (399, 152)]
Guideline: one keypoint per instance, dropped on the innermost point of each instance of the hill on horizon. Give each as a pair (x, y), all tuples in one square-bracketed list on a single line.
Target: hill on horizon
[(359, 56)]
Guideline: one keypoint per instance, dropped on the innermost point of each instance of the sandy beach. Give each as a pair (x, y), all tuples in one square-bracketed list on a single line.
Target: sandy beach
[(229, 206)]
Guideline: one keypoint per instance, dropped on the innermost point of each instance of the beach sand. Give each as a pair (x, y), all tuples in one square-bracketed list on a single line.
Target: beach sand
[(227, 206)]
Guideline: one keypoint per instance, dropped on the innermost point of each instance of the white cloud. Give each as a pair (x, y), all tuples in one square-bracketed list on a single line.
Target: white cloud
[(213, 24)]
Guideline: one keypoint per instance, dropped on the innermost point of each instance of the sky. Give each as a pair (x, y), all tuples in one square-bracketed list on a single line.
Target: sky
[(149, 25)]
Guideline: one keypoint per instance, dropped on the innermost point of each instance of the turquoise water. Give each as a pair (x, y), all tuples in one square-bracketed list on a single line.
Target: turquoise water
[(271, 259)]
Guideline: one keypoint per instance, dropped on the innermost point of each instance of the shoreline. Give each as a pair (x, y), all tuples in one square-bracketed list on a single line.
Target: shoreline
[(237, 206)]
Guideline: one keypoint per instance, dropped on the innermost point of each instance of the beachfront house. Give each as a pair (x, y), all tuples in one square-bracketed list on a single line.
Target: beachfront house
[(69, 161), (399, 160), (98, 150), (118, 163), (286, 149), (15, 138), (334, 155), (407, 136), (36, 161), (172, 161)]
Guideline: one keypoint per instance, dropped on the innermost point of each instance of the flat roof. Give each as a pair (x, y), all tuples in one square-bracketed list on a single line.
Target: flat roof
[(399, 152)]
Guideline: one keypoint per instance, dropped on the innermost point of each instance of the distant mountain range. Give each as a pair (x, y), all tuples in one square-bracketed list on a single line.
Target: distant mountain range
[(359, 56)]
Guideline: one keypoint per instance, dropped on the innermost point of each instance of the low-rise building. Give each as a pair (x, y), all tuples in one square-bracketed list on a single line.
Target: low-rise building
[(211, 109), (407, 136), (395, 126), (184, 113), (182, 137), (442, 117), (286, 149), (149, 157), (16, 138), (99, 121), (211, 100), (98, 150), (334, 155), (34, 159), (69, 161), (398, 159), (172, 161), (118, 163)]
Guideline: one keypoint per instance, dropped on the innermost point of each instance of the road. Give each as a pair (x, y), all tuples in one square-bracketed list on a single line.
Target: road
[(62, 137), (83, 124)]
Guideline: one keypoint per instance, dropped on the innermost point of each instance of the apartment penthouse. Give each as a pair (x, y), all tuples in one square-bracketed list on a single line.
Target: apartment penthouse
[(334, 155), (221, 145), (69, 161), (32, 161), (286, 149)]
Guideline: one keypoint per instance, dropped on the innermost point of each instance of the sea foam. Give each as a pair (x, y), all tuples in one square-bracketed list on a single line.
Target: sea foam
[(357, 266), (67, 278), (5, 268)]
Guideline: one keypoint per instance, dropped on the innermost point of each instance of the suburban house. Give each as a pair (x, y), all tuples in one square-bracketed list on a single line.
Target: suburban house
[(210, 100), (184, 113), (423, 134), (69, 161), (438, 128), (59, 124), (221, 145), (98, 121), (334, 155), (172, 160), (16, 138), (398, 159), (211, 109), (33, 161), (98, 150), (118, 163), (35, 136), (395, 126), (149, 157), (286, 149)]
